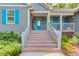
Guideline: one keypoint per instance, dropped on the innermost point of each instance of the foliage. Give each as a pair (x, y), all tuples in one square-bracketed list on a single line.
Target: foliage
[(77, 34), (10, 44), (68, 48), (10, 49), (65, 5), (67, 44), (11, 36), (77, 37), (61, 5)]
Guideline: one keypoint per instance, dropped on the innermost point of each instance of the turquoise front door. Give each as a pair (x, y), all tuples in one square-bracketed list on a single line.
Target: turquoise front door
[(38, 23)]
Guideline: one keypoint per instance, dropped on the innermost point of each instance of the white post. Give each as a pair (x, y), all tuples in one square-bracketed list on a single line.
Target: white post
[(23, 40), (61, 23), (59, 39), (48, 19), (60, 33), (28, 16)]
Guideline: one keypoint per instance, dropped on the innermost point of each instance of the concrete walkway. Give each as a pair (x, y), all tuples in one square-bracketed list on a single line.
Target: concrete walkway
[(42, 54)]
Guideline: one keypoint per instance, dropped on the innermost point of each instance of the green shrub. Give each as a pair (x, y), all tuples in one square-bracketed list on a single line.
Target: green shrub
[(10, 44), (3, 53), (11, 49), (75, 39), (65, 39), (67, 44), (68, 48), (77, 35), (10, 36)]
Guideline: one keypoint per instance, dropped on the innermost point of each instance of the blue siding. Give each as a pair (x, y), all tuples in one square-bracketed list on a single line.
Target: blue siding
[(38, 7), (76, 20), (3, 15), (17, 15)]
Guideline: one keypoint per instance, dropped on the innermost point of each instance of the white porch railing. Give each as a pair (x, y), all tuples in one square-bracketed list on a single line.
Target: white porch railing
[(25, 35), (65, 26), (69, 27), (57, 35)]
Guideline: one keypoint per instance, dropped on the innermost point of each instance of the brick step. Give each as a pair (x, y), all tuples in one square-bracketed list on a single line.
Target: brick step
[(54, 46), (40, 44), (40, 41), (41, 38), (40, 31), (40, 35), (30, 49), (35, 40)]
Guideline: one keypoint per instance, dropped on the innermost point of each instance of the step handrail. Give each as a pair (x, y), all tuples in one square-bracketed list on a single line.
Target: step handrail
[(25, 35), (53, 28), (57, 35)]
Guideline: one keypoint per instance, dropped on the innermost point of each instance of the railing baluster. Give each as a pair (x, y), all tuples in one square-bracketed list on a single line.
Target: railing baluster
[(56, 35), (25, 35), (66, 26)]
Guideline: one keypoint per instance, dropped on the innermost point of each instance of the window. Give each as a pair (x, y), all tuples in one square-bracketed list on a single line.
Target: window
[(10, 16), (55, 20)]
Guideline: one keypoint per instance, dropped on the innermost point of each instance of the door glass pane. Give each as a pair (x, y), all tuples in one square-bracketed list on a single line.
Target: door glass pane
[(38, 23)]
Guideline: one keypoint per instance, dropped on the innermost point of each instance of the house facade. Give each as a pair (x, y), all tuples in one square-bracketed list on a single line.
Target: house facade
[(25, 18), (40, 14)]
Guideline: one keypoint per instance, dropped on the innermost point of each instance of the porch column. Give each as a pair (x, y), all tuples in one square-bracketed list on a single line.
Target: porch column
[(28, 16), (61, 22), (48, 19), (60, 32)]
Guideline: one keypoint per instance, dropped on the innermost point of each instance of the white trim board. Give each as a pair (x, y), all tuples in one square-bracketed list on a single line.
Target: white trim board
[(39, 11), (16, 5)]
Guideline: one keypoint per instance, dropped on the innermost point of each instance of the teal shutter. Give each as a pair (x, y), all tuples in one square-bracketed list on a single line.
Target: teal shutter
[(3, 15), (17, 16)]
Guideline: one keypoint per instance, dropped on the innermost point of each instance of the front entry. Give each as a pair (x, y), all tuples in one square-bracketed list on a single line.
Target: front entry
[(38, 23)]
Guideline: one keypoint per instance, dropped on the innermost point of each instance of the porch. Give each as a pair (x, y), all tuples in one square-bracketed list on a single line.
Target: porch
[(66, 23)]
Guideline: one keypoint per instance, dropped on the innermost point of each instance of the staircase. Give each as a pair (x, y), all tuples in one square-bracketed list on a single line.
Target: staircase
[(39, 41)]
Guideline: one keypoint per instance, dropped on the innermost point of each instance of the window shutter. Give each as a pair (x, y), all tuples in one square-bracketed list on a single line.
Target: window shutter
[(17, 16), (3, 15)]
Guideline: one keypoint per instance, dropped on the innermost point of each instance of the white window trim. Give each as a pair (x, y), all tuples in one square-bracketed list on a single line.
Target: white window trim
[(10, 16)]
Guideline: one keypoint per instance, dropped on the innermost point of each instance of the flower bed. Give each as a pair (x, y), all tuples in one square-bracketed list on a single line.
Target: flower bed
[(10, 44)]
